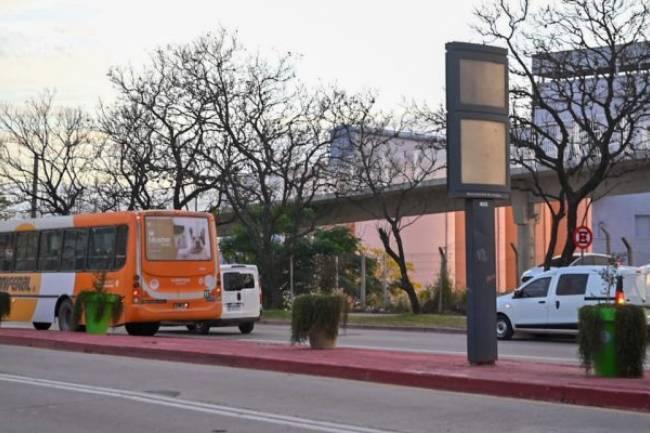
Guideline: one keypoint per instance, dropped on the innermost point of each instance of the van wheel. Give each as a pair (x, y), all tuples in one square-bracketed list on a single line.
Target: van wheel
[(64, 315), (41, 326), (142, 329), (246, 328), (504, 328), (203, 328)]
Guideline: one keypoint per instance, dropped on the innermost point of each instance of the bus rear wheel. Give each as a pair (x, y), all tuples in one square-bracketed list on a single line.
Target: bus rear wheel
[(41, 326), (203, 328), (64, 315), (142, 329)]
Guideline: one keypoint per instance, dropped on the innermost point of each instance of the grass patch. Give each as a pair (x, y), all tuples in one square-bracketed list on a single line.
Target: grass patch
[(405, 319)]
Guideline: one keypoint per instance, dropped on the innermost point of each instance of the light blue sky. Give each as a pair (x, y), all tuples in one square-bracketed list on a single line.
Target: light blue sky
[(395, 47)]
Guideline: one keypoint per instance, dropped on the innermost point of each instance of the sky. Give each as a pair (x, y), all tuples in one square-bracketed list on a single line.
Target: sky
[(393, 47)]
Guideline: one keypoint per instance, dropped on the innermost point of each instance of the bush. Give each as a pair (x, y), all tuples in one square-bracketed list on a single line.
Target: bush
[(630, 337), (317, 312), (402, 305), (5, 304)]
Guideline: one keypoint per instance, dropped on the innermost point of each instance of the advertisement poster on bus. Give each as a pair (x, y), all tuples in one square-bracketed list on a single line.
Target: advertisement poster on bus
[(179, 238)]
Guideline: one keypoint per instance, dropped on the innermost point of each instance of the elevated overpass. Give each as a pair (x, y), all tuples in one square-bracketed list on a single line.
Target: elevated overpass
[(431, 197)]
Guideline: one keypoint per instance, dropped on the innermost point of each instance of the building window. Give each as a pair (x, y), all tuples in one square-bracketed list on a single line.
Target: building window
[(642, 226)]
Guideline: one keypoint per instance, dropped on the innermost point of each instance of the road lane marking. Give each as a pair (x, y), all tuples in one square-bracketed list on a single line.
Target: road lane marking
[(209, 408)]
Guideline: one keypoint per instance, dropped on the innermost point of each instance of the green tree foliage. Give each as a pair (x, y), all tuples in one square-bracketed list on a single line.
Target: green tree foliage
[(314, 259)]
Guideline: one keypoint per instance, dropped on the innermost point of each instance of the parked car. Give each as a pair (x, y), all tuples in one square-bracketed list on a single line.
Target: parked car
[(241, 299), (586, 259), (549, 302)]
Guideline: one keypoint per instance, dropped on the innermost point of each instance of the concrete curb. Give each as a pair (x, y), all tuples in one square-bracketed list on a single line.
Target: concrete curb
[(590, 392), (439, 329)]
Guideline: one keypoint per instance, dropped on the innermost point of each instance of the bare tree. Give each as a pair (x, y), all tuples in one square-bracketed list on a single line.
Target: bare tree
[(45, 156), (580, 89), (125, 175), (378, 154), (268, 137), (156, 136)]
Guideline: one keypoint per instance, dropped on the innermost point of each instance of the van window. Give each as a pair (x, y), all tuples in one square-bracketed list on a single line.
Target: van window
[(233, 281), (536, 289), (572, 284)]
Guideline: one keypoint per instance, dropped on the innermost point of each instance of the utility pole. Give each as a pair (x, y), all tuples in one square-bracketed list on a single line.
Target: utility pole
[(34, 187), (362, 294)]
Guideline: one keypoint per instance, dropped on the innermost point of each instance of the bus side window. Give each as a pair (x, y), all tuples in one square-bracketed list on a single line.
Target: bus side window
[(75, 244), (101, 252), (7, 252), (121, 240), (26, 251), (50, 251), (81, 250)]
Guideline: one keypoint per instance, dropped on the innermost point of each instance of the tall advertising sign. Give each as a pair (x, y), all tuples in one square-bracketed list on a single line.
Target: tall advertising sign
[(478, 170)]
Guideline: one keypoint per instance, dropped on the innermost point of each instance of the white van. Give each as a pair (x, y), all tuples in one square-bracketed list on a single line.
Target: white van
[(241, 299), (549, 302)]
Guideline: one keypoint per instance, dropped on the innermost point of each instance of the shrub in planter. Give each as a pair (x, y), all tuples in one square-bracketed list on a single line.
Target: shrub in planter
[(99, 308), (612, 339), (5, 305), (317, 317)]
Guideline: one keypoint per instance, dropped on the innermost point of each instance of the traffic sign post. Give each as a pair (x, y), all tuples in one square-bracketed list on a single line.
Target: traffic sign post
[(583, 237)]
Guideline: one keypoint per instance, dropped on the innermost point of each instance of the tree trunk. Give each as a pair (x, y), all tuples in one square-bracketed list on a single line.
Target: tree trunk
[(572, 223), (400, 260), (556, 219)]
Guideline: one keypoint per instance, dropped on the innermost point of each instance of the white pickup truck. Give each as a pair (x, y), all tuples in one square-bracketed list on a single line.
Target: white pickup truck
[(549, 302)]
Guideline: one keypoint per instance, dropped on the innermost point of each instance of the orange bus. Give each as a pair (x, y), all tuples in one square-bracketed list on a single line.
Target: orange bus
[(163, 263)]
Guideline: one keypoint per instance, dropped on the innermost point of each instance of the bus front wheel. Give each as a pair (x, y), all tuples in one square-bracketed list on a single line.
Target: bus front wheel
[(142, 329), (41, 326)]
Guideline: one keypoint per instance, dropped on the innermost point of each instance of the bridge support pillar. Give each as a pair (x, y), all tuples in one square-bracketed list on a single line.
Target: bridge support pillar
[(523, 210)]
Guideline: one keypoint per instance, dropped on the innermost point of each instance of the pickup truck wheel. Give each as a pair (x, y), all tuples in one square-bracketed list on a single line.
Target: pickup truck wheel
[(504, 328)]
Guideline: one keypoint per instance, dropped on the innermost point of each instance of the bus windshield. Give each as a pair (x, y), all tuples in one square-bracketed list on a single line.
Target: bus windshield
[(177, 238)]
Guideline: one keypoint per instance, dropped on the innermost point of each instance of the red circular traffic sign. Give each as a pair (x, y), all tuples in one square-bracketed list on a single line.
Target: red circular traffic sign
[(582, 237)]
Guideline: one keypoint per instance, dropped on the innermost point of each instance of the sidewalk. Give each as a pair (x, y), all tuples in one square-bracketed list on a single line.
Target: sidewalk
[(518, 379), (442, 329)]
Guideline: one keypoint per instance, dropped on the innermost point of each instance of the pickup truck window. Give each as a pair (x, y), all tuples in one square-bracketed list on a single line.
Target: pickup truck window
[(572, 284), (536, 289)]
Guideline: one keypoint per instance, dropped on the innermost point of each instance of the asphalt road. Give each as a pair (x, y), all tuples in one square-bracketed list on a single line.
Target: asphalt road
[(548, 349), (65, 392)]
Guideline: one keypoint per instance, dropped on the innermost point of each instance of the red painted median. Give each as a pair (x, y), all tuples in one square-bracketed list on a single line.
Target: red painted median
[(518, 379)]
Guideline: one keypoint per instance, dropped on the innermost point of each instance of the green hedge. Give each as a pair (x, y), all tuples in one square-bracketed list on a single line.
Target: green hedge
[(630, 337), (5, 304), (317, 312)]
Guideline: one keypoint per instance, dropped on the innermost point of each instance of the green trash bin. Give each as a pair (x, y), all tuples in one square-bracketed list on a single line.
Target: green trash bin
[(605, 359)]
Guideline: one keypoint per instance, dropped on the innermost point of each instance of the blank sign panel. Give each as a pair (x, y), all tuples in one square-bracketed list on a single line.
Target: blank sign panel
[(483, 152)]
